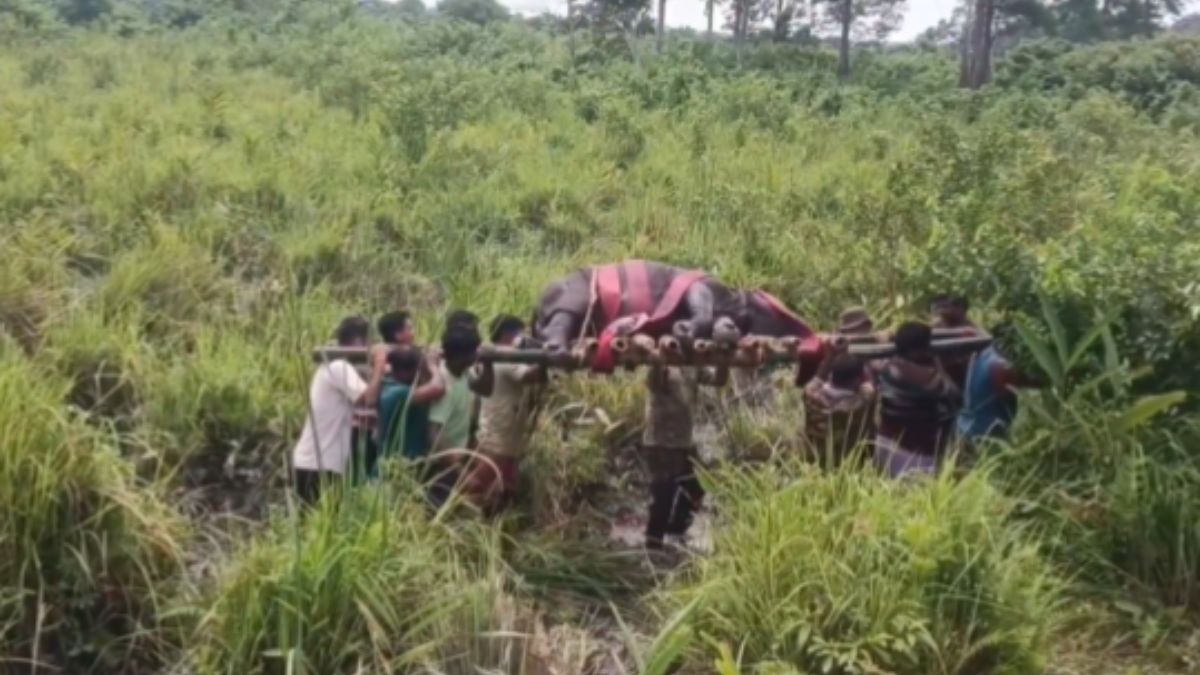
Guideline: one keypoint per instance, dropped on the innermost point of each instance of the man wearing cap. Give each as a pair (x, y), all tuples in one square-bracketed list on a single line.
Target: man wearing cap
[(854, 322), (856, 325)]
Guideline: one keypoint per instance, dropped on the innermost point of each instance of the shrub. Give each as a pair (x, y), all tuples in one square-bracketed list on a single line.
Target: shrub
[(170, 286), (847, 572), (86, 553), (1111, 478), (365, 582)]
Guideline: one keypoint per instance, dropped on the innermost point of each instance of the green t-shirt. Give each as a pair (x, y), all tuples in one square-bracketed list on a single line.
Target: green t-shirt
[(453, 413), (402, 426)]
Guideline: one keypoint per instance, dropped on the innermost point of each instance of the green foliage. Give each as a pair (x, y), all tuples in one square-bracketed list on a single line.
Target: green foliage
[(85, 551), (1116, 485), (1150, 76), (366, 582), (193, 193), (478, 12), (846, 572)]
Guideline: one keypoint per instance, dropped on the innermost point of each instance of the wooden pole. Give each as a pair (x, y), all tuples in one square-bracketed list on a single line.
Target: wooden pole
[(641, 350)]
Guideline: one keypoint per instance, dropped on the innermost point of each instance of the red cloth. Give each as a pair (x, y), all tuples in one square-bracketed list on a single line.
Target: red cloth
[(608, 290), (798, 326), (623, 289), (812, 347), (605, 360)]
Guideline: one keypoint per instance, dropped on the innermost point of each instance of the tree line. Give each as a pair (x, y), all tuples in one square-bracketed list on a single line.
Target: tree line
[(977, 29)]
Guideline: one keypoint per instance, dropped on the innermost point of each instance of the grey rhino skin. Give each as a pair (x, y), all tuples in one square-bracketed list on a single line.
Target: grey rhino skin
[(564, 308)]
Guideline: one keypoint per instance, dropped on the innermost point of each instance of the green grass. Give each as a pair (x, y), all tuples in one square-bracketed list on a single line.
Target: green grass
[(367, 582), (88, 555), (184, 214), (846, 572)]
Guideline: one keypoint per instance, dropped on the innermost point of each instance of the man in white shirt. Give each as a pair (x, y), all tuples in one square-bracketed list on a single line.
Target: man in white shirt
[(323, 452)]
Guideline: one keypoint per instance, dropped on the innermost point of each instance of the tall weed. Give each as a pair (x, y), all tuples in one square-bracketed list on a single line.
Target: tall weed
[(847, 572), (364, 582), (87, 554)]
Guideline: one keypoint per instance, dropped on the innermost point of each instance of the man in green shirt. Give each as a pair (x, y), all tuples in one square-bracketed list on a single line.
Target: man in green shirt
[(450, 416)]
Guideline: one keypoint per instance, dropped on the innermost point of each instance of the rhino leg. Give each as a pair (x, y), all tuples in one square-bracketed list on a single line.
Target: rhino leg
[(557, 332), (699, 303)]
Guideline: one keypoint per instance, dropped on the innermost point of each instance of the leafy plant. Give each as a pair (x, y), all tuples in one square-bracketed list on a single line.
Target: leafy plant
[(847, 572)]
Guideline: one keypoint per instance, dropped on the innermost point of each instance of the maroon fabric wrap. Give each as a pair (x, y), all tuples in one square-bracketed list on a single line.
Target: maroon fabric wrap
[(605, 361), (812, 348), (795, 324)]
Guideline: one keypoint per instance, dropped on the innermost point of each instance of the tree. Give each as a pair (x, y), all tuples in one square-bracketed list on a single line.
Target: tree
[(876, 18), (1094, 20), (782, 14), (622, 20), (27, 15), (76, 12), (411, 9), (986, 20), (474, 11), (1188, 25), (660, 26), (740, 16)]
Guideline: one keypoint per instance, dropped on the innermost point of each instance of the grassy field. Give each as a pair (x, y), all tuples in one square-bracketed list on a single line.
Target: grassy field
[(185, 213)]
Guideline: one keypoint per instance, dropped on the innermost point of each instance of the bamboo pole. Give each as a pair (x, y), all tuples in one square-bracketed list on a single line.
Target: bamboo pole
[(642, 350)]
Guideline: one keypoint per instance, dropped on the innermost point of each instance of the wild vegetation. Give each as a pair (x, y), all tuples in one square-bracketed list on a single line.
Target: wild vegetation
[(192, 195)]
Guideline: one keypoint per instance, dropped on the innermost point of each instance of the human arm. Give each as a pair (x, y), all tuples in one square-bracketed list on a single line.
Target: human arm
[(351, 384), (1007, 377), (482, 379), (431, 388), (832, 349)]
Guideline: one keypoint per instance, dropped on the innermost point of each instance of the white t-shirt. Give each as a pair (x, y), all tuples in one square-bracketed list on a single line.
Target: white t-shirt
[(324, 444), (505, 416)]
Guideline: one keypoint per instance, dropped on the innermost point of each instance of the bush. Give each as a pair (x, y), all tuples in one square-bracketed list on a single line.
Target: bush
[(86, 553), (1110, 476), (365, 582), (846, 572), (170, 286)]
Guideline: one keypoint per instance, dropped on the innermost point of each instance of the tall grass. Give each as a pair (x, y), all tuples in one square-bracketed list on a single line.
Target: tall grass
[(186, 213), (87, 554), (364, 583), (846, 572), (1111, 474)]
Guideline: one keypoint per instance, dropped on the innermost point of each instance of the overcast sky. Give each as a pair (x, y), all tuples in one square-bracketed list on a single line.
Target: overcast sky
[(921, 14)]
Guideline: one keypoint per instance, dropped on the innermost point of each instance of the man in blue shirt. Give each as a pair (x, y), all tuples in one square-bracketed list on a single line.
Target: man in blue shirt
[(989, 393), (404, 404)]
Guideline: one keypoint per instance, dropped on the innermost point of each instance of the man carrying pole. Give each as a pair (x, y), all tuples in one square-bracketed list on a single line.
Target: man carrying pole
[(669, 449)]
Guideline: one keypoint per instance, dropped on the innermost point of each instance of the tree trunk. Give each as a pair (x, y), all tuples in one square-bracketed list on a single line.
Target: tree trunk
[(660, 28), (571, 29), (964, 47), (739, 12), (844, 47), (708, 12), (980, 71)]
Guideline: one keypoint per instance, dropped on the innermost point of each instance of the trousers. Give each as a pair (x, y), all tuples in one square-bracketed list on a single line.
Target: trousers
[(675, 492)]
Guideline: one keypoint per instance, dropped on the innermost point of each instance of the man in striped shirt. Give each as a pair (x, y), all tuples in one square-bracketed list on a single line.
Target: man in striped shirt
[(839, 408), (918, 405)]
